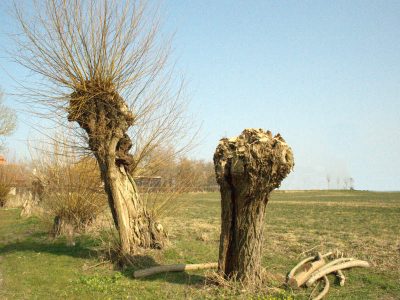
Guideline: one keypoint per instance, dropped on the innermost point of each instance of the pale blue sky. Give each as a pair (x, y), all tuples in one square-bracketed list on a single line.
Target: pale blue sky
[(325, 74)]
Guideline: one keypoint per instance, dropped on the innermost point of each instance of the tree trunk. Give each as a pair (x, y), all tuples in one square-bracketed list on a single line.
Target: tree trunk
[(247, 168), (104, 115), (135, 225), (242, 236)]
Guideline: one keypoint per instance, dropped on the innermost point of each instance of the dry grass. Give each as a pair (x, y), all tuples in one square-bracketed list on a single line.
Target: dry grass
[(344, 204), (293, 231)]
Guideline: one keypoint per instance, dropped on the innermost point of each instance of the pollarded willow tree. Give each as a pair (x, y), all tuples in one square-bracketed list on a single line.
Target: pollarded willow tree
[(104, 67), (248, 168)]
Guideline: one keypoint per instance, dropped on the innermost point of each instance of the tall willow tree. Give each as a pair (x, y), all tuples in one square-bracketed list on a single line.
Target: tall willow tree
[(104, 67)]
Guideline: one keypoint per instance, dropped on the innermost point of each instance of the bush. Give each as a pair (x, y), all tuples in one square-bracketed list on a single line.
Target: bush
[(72, 194), (6, 183), (68, 185)]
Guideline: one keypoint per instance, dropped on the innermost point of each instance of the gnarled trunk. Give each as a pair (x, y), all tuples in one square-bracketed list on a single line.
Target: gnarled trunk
[(105, 117), (242, 236), (247, 168), (135, 225)]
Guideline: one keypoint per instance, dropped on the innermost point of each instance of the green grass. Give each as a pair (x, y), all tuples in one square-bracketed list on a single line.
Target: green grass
[(362, 224)]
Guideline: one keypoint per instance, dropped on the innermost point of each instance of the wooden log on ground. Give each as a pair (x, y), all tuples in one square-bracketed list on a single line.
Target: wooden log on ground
[(309, 268), (321, 273), (173, 268), (304, 261), (298, 266), (338, 261)]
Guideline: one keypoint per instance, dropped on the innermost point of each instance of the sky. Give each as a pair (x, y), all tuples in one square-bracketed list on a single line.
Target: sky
[(324, 74)]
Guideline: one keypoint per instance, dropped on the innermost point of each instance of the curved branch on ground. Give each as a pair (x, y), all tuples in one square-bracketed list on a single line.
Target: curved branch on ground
[(325, 290), (350, 264)]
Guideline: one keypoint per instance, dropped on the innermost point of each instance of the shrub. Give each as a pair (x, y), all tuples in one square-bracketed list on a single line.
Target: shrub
[(69, 186), (6, 183), (73, 195)]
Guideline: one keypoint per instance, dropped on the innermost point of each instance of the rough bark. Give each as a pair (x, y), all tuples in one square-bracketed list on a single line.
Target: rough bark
[(135, 225), (247, 168), (105, 117)]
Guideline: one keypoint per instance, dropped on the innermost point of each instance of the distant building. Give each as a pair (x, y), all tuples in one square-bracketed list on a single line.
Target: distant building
[(148, 181)]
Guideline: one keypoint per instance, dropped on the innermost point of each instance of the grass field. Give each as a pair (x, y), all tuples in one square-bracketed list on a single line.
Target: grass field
[(362, 224)]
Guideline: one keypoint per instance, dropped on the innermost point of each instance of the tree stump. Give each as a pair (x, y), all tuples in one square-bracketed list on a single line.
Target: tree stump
[(247, 169)]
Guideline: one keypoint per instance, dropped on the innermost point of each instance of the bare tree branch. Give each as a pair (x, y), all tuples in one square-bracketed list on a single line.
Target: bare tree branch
[(103, 66)]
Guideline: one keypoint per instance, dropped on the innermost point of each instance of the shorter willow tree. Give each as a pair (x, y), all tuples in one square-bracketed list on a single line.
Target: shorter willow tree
[(248, 168), (104, 67)]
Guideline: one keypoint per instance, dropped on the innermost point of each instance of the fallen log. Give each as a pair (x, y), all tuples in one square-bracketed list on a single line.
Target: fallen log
[(173, 268), (337, 261), (310, 267), (324, 271), (304, 261)]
